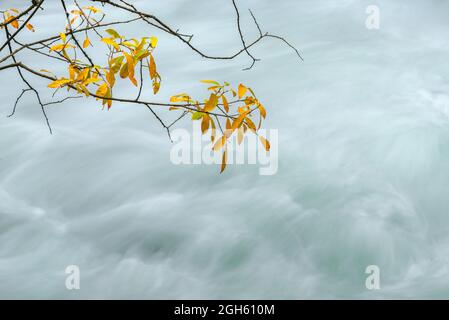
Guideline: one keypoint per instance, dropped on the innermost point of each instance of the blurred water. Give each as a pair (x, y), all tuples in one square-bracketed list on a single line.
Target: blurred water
[(363, 177)]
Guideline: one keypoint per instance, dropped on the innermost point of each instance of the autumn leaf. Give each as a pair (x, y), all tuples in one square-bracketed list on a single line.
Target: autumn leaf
[(112, 33), (220, 143), (124, 71), (111, 42), (251, 124), (238, 122), (130, 63), (262, 110), (242, 90), (224, 159), (210, 82), (152, 67), (197, 115), (205, 123), (240, 135), (102, 90), (59, 83), (60, 47), (213, 129), (265, 143), (211, 103), (225, 103), (86, 43), (110, 78), (153, 42), (228, 124), (15, 23)]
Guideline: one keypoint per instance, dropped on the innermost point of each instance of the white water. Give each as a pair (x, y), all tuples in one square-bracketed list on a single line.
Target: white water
[(363, 167)]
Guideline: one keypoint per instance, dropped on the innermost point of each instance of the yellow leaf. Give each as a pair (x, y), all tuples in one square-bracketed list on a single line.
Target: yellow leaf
[(153, 42), (238, 122), (130, 63), (197, 115), (205, 123), (58, 83), (57, 47), (265, 143), (228, 124), (210, 82), (83, 75), (212, 136), (223, 161), (142, 54), (63, 37), (124, 71), (92, 8), (225, 103), (113, 33), (242, 90), (116, 63), (102, 90), (110, 78), (220, 143), (111, 42), (156, 87), (211, 103), (182, 97), (86, 43), (250, 124), (240, 135), (152, 67), (30, 27), (72, 71), (60, 47), (243, 109), (91, 80), (262, 111), (83, 89)]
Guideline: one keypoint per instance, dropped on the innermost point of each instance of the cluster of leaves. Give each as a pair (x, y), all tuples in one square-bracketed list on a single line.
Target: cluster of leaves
[(239, 122), (227, 110), (10, 17), (123, 57)]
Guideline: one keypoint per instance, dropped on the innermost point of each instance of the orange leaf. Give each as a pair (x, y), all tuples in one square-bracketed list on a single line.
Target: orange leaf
[(242, 90), (238, 122), (211, 103), (205, 123), (225, 103), (130, 63), (262, 111), (220, 143), (152, 67), (15, 24), (265, 143), (228, 124), (86, 43), (240, 135), (250, 124), (223, 161)]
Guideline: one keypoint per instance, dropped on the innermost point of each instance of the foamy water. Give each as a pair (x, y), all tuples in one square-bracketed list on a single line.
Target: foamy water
[(363, 173)]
